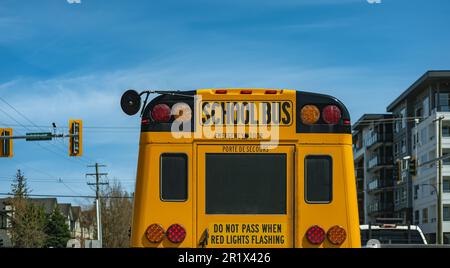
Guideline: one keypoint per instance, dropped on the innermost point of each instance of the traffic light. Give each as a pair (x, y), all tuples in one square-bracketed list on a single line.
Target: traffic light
[(412, 167), (75, 138), (6, 146)]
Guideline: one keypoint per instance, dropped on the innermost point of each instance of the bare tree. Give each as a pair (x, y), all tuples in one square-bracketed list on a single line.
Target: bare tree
[(116, 211)]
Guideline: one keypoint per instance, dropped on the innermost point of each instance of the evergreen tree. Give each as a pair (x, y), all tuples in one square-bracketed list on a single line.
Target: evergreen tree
[(28, 225), (28, 220), (19, 187), (57, 230)]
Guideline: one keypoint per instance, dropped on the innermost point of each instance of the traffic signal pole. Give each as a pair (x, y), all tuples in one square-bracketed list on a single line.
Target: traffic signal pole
[(97, 199), (75, 139)]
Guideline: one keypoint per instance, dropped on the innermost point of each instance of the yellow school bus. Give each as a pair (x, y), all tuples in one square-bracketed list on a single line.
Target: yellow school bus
[(243, 168)]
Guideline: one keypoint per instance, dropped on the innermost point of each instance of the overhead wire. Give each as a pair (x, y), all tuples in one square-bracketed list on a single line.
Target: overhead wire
[(40, 145)]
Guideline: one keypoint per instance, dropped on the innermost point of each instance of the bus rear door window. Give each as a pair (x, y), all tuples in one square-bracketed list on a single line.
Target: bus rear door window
[(174, 178), (319, 179), (246, 183)]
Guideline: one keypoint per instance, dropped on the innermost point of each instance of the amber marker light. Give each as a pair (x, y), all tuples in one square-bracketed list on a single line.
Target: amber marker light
[(310, 114), (337, 235), (155, 233)]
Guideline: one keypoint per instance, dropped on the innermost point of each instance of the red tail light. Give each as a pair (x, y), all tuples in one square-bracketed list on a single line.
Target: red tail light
[(155, 233), (161, 113), (246, 92), (315, 235), (331, 114), (271, 92), (221, 91), (176, 233)]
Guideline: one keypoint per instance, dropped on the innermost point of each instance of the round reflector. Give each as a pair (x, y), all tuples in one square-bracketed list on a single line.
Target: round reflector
[(176, 233), (337, 235), (310, 114), (315, 235), (182, 111), (155, 233), (161, 113), (331, 114)]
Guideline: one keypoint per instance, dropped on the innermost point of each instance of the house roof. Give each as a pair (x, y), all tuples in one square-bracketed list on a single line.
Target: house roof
[(65, 209), (424, 80), (76, 212), (48, 204)]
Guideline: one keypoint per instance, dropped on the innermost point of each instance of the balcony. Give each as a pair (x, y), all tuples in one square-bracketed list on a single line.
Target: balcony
[(379, 207), (378, 139), (379, 185), (378, 162)]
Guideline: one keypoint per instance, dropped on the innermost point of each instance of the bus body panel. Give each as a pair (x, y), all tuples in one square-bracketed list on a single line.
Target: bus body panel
[(149, 208), (300, 215), (342, 207)]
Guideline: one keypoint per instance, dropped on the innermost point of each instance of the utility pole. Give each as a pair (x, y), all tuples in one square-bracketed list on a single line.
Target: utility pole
[(97, 198), (439, 184)]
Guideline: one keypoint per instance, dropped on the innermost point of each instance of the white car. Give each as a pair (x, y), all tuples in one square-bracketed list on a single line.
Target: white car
[(373, 235)]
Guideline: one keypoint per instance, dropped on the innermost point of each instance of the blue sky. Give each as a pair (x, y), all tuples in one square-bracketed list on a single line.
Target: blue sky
[(61, 61)]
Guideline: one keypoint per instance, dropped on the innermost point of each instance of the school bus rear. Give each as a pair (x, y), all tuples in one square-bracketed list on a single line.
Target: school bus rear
[(245, 168)]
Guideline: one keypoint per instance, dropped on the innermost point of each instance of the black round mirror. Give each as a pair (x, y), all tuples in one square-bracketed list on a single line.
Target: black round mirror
[(130, 102)]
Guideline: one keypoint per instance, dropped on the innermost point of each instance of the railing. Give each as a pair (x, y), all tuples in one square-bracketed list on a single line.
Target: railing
[(379, 207), (378, 184), (375, 138), (380, 161), (373, 162)]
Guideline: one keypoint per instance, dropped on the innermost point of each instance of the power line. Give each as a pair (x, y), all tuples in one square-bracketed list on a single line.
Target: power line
[(69, 196), (30, 121), (38, 144), (84, 127)]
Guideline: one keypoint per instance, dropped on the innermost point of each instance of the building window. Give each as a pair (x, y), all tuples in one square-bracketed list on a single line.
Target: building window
[(426, 107), (447, 213), (446, 161), (416, 217), (444, 102), (431, 130), (416, 191), (446, 184), (425, 215), (431, 156), (432, 182), (403, 116), (446, 238), (423, 137), (446, 131), (2, 221), (433, 214)]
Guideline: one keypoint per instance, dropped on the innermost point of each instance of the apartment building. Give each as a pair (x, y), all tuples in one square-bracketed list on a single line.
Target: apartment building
[(415, 135), (374, 166)]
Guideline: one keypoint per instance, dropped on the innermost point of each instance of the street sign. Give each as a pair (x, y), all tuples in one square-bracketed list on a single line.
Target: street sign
[(43, 136)]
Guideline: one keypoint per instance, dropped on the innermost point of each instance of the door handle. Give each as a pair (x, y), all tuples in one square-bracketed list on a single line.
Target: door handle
[(205, 238)]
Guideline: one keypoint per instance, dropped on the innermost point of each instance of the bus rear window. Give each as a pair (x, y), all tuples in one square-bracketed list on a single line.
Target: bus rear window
[(246, 183), (318, 179), (174, 177)]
